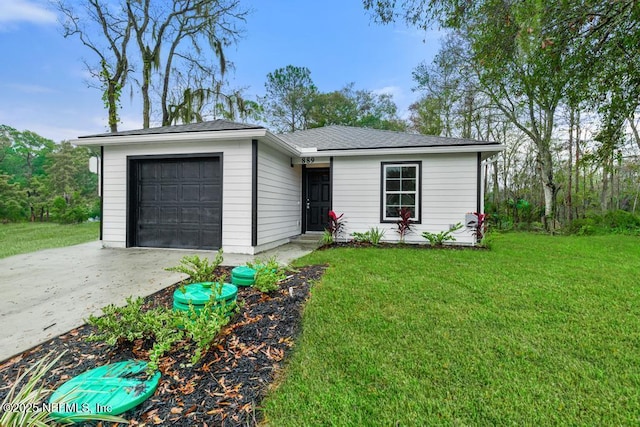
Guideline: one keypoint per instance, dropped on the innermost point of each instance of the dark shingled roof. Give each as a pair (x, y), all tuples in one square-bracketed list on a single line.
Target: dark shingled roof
[(354, 138), (211, 126)]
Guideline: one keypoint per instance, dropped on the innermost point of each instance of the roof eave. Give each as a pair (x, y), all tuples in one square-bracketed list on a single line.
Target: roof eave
[(108, 140), (489, 150)]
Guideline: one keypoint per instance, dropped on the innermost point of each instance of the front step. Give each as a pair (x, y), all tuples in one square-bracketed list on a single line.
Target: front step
[(308, 240)]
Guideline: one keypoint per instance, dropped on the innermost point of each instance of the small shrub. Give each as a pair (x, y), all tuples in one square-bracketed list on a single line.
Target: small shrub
[(268, 280), (583, 226), (404, 223), (199, 269), (587, 230), (438, 239), (203, 327), (620, 221), (269, 274)]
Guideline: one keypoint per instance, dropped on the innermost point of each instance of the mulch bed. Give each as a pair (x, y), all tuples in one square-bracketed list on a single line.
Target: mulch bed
[(225, 388), (386, 245)]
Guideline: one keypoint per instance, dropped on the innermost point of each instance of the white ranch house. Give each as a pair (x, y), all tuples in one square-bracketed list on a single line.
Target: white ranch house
[(241, 188)]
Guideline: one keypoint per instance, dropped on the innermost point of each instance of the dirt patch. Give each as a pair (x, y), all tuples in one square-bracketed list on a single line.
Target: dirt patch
[(225, 388)]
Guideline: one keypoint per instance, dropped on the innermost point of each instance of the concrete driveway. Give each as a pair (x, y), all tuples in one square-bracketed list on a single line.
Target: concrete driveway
[(46, 293)]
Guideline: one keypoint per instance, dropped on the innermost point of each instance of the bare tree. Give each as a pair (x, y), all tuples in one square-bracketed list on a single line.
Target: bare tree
[(105, 30)]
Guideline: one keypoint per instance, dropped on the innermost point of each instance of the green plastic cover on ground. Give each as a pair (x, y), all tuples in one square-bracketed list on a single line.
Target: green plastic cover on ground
[(200, 293), (107, 390)]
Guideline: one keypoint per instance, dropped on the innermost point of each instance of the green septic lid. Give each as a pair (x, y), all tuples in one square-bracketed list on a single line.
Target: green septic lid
[(197, 308), (239, 281), (106, 390), (243, 272), (200, 293)]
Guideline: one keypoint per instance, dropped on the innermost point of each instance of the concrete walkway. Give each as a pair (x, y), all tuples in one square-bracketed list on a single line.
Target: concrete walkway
[(46, 293)]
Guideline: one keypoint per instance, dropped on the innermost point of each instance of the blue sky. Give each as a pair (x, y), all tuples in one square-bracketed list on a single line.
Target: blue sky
[(44, 86)]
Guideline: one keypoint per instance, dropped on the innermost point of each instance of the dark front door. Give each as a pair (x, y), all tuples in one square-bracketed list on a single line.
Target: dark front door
[(176, 203), (318, 194)]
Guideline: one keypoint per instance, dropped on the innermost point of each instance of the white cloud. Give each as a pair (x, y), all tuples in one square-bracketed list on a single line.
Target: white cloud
[(395, 91), (13, 11)]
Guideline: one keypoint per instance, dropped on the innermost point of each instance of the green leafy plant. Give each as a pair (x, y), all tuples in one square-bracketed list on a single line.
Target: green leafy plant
[(375, 235), (361, 237), (438, 239), (269, 274), (327, 238), (203, 327), (25, 395), (165, 327), (199, 269), (404, 224)]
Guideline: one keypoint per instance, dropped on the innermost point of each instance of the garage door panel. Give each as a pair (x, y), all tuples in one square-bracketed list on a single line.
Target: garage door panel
[(167, 238), (191, 170), (169, 193), (209, 216), (149, 215), (148, 193), (169, 215), (169, 170), (148, 171), (178, 203), (210, 235), (190, 192), (210, 171), (210, 193), (190, 216)]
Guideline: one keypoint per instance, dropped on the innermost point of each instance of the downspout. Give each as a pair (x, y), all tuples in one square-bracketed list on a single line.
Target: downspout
[(254, 193)]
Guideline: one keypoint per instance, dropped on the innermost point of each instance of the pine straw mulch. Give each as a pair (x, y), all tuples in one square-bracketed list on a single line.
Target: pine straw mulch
[(225, 388)]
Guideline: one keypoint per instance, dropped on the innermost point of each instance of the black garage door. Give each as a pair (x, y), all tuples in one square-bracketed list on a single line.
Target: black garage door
[(176, 203)]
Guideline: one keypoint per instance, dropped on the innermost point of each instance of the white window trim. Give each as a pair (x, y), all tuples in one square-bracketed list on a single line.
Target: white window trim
[(383, 188)]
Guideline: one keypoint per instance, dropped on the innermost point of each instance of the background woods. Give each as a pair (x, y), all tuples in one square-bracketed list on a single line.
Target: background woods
[(44, 181)]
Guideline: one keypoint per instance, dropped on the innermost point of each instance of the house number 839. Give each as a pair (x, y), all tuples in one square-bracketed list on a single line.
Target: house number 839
[(308, 160)]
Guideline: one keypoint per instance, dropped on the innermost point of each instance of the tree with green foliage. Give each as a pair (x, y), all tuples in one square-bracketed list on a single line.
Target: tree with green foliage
[(41, 177), (523, 71), (24, 154), (289, 94), (350, 107), (426, 116), (12, 200)]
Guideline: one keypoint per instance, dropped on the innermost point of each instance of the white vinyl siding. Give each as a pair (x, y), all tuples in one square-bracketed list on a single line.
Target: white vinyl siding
[(449, 186), (236, 188), (279, 195)]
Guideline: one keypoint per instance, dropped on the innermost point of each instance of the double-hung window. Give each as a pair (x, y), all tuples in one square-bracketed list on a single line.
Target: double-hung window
[(400, 189)]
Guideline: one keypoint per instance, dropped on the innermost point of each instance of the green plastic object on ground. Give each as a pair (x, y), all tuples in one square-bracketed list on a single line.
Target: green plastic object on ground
[(198, 294), (243, 276), (107, 390)]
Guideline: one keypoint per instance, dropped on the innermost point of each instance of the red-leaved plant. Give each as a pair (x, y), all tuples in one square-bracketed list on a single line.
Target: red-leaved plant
[(336, 225), (481, 228), (404, 223)]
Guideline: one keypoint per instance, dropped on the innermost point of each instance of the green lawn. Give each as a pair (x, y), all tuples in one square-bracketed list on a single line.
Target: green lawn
[(32, 236), (540, 330)]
